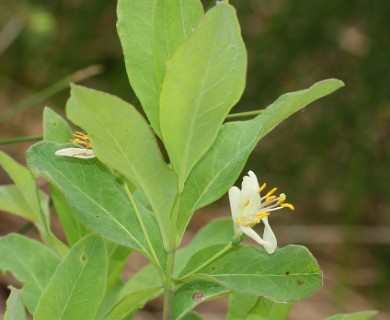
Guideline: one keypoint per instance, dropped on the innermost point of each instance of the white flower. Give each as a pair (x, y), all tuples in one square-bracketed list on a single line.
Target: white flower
[(81, 153), (84, 152), (249, 208)]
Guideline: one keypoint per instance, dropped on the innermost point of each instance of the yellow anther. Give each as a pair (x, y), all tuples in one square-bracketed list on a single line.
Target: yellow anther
[(271, 192), (246, 203), (288, 205), (248, 224), (262, 187), (270, 198), (262, 215), (239, 220), (81, 139)]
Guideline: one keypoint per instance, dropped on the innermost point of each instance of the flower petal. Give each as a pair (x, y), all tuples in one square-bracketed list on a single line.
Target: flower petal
[(235, 202), (76, 153), (269, 237), (252, 234)]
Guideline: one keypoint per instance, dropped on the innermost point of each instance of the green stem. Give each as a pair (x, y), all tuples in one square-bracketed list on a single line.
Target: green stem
[(141, 222), (49, 91), (20, 139), (168, 286), (244, 114)]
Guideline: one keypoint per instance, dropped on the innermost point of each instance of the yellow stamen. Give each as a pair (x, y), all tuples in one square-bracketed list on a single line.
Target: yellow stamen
[(239, 220), (262, 187), (262, 215), (248, 224), (271, 192), (270, 198), (81, 139), (288, 205)]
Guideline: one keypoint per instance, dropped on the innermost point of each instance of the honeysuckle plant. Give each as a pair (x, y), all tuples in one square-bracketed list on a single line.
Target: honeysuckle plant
[(115, 194)]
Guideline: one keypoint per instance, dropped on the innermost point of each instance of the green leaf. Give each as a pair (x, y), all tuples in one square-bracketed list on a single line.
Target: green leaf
[(15, 307), (122, 140), (192, 316), (173, 22), (218, 231), (26, 185), (55, 128), (12, 201), (220, 167), (74, 229), (204, 79), (97, 198), (364, 315), (33, 270), (290, 274), (150, 31), (131, 303), (142, 287), (246, 307), (77, 288), (192, 294)]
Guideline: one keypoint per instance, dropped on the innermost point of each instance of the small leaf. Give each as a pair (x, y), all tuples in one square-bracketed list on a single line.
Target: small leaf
[(131, 303), (33, 270), (97, 198), (12, 201), (363, 315), (15, 307), (77, 288), (55, 128), (204, 80), (190, 295), (220, 167), (122, 140), (218, 231), (247, 307), (26, 185), (74, 229), (290, 274)]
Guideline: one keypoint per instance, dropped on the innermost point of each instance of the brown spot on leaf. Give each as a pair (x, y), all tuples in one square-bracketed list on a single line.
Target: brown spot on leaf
[(198, 296)]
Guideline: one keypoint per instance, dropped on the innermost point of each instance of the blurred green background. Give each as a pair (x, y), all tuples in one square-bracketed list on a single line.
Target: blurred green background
[(331, 159)]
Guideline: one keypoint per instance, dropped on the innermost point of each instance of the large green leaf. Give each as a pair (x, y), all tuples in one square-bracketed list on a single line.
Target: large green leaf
[(219, 168), (122, 139), (364, 315), (98, 199), (77, 288), (290, 274), (150, 31), (190, 295), (218, 231), (173, 22), (204, 79), (55, 128), (15, 307), (247, 307), (33, 270)]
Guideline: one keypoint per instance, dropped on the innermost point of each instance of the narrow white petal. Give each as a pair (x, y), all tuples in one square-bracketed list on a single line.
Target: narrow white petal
[(235, 202), (269, 237), (252, 234), (250, 182), (76, 153)]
